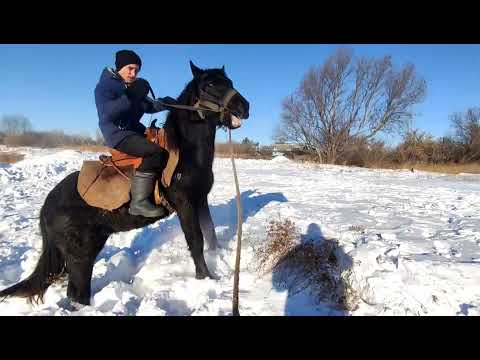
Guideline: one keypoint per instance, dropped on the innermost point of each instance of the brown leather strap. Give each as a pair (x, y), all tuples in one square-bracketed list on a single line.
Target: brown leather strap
[(93, 182), (120, 171), (107, 161)]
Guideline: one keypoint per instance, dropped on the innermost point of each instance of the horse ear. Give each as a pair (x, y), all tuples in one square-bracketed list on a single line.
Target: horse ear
[(195, 70), (223, 71)]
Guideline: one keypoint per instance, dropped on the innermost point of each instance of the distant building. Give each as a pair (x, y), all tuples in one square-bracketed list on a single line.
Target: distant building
[(283, 148)]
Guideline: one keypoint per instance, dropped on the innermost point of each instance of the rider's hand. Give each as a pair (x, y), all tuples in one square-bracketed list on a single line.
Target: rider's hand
[(138, 90), (168, 100), (161, 103)]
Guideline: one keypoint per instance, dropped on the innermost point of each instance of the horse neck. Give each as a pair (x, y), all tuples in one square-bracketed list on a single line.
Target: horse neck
[(196, 147)]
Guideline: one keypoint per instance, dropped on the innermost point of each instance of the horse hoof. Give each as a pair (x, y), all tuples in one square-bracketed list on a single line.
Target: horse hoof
[(200, 276), (77, 306), (203, 276), (71, 305), (214, 277)]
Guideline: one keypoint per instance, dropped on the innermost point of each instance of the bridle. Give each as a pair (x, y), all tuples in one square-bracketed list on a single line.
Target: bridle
[(206, 102)]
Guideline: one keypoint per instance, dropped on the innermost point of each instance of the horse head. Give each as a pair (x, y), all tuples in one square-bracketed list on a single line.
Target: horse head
[(214, 91)]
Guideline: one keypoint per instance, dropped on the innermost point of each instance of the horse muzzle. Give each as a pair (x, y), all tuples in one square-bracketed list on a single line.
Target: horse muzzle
[(235, 122), (240, 107), (239, 111)]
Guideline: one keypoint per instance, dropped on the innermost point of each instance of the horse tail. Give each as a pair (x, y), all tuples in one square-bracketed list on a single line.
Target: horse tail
[(49, 268)]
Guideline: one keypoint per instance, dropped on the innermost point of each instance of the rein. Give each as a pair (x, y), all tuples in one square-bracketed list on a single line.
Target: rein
[(202, 105), (236, 277)]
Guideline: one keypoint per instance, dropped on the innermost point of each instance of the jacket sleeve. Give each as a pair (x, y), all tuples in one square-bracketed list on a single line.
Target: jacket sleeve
[(112, 107), (152, 107)]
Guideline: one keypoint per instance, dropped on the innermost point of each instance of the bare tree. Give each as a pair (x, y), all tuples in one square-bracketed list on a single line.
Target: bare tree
[(15, 124), (467, 132), (346, 98)]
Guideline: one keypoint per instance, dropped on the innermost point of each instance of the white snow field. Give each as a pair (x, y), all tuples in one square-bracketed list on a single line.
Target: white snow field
[(410, 242)]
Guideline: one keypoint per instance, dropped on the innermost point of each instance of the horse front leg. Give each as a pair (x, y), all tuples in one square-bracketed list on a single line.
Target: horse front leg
[(206, 223), (189, 221)]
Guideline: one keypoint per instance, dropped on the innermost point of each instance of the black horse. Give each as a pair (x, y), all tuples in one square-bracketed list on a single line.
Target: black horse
[(74, 233)]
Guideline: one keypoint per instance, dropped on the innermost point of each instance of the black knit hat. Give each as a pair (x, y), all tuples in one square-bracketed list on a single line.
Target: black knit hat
[(126, 57)]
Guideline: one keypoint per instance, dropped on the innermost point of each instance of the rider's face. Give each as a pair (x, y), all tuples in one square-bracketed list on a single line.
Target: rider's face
[(129, 73)]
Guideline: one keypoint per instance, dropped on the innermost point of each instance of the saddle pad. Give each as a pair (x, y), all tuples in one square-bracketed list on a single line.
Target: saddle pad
[(102, 186)]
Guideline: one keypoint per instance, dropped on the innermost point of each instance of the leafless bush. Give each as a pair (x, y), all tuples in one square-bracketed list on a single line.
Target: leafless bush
[(412, 149), (265, 152), (311, 264), (244, 151), (47, 139), (363, 152), (282, 236), (238, 149)]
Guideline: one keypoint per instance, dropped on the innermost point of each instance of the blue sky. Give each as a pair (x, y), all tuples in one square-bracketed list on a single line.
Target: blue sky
[(53, 84)]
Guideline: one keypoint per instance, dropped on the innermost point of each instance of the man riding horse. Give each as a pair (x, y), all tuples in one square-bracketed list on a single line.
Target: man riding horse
[(121, 100), (74, 232)]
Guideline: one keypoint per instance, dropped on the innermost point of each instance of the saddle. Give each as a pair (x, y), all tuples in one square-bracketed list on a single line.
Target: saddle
[(105, 183)]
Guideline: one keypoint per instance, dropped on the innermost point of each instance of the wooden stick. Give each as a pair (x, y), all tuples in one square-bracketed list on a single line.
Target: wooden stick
[(236, 277)]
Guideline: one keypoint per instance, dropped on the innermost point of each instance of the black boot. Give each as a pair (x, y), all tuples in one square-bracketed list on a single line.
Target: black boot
[(142, 186)]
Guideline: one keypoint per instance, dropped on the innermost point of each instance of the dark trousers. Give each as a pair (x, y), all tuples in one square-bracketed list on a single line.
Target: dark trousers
[(154, 157)]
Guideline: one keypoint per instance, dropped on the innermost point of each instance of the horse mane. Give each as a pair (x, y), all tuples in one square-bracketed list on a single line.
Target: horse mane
[(173, 117)]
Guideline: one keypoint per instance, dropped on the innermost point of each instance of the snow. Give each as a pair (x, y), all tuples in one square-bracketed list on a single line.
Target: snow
[(280, 159), (410, 242)]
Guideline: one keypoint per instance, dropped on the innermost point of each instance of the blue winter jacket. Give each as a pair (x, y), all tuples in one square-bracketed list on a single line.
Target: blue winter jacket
[(118, 116)]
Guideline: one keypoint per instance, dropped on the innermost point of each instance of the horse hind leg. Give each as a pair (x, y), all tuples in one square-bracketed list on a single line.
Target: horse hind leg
[(79, 281), (80, 258)]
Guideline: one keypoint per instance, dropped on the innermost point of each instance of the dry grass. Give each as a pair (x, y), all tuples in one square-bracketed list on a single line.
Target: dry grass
[(451, 168), (311, 264), (357, 228), (221, 148), (241, 151), (244, 156), (472, 168), (51, 139), (92, 148), (282, 237), (10, 157)]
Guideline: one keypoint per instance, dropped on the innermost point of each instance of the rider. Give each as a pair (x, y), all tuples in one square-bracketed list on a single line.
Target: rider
[(121, 100)]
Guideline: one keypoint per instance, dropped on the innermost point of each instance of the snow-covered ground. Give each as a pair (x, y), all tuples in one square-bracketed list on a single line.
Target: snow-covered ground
[(410, 242)]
